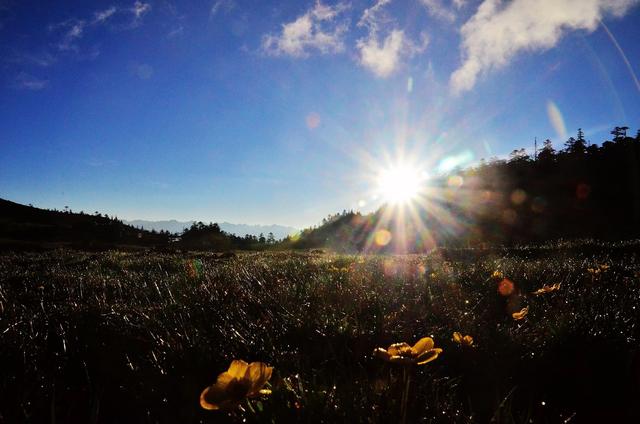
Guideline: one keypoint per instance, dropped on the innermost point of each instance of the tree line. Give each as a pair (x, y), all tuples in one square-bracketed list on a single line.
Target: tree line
[(582, 190)]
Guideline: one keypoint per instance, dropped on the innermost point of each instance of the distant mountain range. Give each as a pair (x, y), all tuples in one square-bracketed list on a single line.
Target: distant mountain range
[(173, 226)]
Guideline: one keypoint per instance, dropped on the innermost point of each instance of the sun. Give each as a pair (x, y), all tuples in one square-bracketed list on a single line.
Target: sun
[(400, 184)]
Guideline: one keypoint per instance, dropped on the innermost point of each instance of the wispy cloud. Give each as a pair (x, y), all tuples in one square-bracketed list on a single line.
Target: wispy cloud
[(140, 9), (73, 30), (29, 82), (500, 30), (375, 16), (221, 5), (319, 29), (176, 32), (42, 59), (385, 57), (66, 40), (142, 71), (439, 10), (104, 15)]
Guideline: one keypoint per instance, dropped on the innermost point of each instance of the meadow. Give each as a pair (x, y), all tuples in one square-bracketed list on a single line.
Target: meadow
[(114, 337)]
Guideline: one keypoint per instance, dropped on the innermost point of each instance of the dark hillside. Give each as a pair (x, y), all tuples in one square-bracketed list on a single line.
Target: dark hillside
[(28, 226), (583, 191)]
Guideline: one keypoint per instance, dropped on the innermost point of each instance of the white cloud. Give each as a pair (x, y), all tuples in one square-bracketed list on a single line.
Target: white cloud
[(385, 57), (73, 30), (102, 16), (437, 9), (176, 32), (382, 59), (29, 82), (499, 30), (374, 16), (219, 5), (318, 29), (43, 59), (136, 13), (140, 9)]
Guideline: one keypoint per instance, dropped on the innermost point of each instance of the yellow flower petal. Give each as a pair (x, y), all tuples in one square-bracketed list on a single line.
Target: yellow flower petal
[(467, 340), (399, 349), (402, 360), (219, 395), (428, 356), (402, 353), (224, 379), (422, 345), (207, 398), (381, 353), (457, 337), (547, 289), (521, 314), (238, 368), (259, 374)]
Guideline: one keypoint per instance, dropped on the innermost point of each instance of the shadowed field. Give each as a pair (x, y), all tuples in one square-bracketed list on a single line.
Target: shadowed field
[(135, 337)]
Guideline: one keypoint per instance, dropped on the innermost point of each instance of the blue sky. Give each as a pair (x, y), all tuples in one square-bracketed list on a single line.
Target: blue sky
[(283, 112)]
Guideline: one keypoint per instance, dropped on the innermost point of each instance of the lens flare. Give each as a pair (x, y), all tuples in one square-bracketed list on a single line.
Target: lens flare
[(556, 119)]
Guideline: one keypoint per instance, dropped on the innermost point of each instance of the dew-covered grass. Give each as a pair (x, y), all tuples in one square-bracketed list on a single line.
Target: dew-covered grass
[(135, 337)]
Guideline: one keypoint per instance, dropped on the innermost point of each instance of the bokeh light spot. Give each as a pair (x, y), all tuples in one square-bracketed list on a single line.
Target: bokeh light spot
[(313, 120), (455, 181), (506, 287), (583, 191), (518, 197), (382, 237)]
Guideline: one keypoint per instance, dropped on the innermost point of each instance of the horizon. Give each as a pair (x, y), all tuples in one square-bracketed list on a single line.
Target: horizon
[(280, 114)]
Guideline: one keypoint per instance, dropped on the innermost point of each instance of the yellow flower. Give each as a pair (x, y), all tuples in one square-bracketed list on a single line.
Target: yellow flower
[(521, 314), (547, 289), (240, 381), (597, 270), (420, 353), (497, 275), (462, 340)]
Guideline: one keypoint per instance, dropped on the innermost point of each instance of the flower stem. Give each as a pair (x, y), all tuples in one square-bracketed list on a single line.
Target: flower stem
[(406, 379)]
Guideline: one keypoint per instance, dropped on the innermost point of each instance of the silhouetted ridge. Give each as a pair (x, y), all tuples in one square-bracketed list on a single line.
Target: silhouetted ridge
[(30, 224), (28, 227), (582, 191)]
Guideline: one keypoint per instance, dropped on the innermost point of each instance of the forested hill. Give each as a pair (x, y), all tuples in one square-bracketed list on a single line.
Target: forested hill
[(28, 225), (582, 190)]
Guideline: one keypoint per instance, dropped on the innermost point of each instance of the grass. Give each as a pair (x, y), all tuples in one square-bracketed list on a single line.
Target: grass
[(135, 337)]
